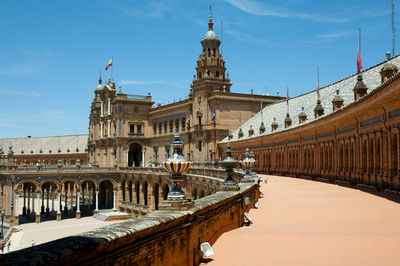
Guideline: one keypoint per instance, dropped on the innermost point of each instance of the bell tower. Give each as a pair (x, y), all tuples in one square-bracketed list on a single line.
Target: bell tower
[(210, 67)]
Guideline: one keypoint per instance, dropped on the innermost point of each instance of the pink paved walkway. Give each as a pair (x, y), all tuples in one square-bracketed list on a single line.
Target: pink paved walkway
[(303, 222)]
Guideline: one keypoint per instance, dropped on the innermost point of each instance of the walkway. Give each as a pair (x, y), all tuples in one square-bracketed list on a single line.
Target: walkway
[(52, 230), (303, 222)]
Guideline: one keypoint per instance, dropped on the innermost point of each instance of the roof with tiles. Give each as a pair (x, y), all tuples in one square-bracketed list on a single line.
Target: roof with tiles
[(371, 78), (46, 145)]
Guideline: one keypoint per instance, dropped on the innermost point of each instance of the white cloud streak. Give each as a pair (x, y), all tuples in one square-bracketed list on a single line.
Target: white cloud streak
[(11, 92), (179, 84), (261, 9)]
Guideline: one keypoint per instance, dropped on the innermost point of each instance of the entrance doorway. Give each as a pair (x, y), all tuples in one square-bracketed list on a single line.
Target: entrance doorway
[(135, 155)]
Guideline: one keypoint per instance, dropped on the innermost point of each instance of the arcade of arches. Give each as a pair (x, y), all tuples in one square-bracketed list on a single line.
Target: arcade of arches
[(37, 199), (357, 145)]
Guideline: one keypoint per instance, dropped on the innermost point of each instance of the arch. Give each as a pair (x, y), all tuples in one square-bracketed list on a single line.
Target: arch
[(156, 192), (145, 193), (130, 190), (106, 194), (165, 191), (194, 193), (395, 155), (135, 154), (137, 190), (88, 189)]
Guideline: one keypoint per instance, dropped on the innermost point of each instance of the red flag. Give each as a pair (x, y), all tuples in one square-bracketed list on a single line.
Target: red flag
[(109, 63), (359, 63), (287, 96)]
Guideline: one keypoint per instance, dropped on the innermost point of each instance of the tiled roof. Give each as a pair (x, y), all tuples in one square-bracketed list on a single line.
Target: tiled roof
[(46, 144), (371, 78)]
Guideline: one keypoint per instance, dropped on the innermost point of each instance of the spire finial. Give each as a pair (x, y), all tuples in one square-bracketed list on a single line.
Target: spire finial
[(210, 23), (100, 77)]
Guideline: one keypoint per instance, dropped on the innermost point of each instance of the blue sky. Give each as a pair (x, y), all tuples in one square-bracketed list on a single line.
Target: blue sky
[(52, 51)]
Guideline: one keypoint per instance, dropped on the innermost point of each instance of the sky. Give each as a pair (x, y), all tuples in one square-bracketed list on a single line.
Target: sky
[(51, 52)]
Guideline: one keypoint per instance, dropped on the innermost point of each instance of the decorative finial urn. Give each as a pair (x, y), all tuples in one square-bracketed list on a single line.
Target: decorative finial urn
[(177, 165), (229, 164), (248, 164)]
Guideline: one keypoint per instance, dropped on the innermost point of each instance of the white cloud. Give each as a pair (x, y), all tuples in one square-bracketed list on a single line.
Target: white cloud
[(261, 9), (11, 92), (40, 53), (179, 84), (335, 35), (21, 70)]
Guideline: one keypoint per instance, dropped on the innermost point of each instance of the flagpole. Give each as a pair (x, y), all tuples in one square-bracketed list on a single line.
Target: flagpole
[(359, 40), (112, 67), (318, 82)]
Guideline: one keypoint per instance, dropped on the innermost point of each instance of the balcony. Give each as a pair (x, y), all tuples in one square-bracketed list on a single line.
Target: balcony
[(198, 127), (135, 135)]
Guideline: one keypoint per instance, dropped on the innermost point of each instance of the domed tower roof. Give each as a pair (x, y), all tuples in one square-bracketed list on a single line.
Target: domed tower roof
[(99, 86), (210, 35)]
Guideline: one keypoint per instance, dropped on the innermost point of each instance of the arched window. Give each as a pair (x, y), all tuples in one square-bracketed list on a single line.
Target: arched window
[(213, 52), (183, 124), (217, 74), (208, 52), (177, 125), (171, 126)]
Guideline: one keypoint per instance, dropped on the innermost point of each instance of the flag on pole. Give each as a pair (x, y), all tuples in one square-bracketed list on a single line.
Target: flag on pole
[(109, 63), (359, 63)]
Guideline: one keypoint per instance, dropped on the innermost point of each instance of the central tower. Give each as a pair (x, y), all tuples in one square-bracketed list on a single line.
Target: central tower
[(210, 69)]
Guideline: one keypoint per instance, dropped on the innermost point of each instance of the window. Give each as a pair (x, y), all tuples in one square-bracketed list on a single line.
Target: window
[(165, 127), (171, 127), (139, 129), (213, 52), (177, 125), (217, 74), (120, 108), (159, 128), (183, 124), (209, 52), (136, 109), (200, 145), (200, 75), (155, 129), (132, 128)]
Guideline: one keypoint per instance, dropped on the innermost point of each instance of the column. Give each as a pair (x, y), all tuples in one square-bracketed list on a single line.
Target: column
[(52, 201), (90, 196), (101, 129), (108, 128), (143, 151), (24, 207), (37, 195), (33, 201), (48, 205), (78, 210), (72, 198), (42, 196), (109, 106), (114, 200), (97, 201), (101, 108), (16, 210), (59, 206)]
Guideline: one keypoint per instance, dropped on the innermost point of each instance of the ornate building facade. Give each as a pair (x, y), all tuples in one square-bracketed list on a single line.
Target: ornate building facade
[(125, 130), (349, 135)]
